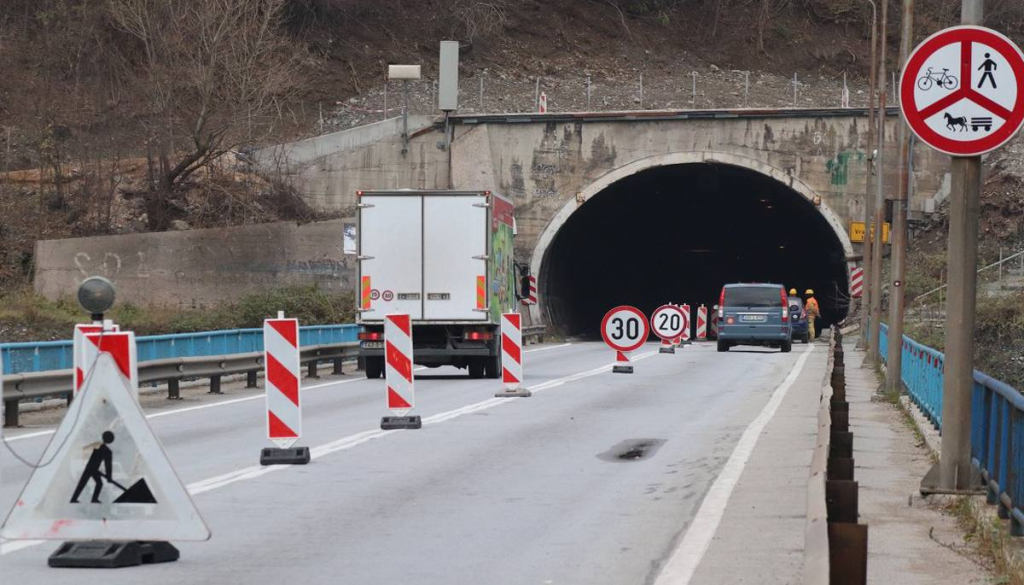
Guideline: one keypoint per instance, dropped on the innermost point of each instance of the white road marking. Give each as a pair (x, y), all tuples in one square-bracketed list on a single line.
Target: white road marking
[(259, 396), (254, 471), (683, 563)]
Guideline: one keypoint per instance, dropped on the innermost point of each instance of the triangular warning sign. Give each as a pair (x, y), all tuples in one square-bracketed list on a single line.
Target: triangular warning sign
[(104, 475)]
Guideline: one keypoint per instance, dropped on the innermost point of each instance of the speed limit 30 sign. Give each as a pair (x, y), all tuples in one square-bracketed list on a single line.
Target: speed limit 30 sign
[(624, 329), (961, 90), (668, 322)]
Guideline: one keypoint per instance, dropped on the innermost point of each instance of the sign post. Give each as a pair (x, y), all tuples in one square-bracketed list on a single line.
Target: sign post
[(512, 357), (667, 322), (961, 94), (399, 397), (624, 329), (283, 381)]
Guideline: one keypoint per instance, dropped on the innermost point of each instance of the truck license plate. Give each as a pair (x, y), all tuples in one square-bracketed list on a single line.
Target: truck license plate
[(373, 345), (754, 318)]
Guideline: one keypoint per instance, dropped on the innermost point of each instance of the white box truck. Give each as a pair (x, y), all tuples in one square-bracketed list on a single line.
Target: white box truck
[(446, 259)]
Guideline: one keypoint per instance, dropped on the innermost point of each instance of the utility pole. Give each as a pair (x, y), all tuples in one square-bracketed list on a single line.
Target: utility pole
[(897, 262), (875, 231), (869, 200), (962, 260)]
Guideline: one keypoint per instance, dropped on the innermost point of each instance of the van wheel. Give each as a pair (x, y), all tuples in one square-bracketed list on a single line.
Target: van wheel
[(374, 368), (476, 368), (492, 367), (723, 346), (787, 346)]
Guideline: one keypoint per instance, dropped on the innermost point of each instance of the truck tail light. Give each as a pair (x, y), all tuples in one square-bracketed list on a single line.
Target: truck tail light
[(785, 305), (479, 336), (370, 336)]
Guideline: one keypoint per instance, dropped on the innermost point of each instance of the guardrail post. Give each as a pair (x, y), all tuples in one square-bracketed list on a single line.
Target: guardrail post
[(337, 367), (173, 389), (250, 379), (11, 414), (215, 385), (311, 374)]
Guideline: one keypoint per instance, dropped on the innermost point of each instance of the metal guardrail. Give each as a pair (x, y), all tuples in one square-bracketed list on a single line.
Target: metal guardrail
[(21, 358), (536, 332), (57, 383), (997, 424)]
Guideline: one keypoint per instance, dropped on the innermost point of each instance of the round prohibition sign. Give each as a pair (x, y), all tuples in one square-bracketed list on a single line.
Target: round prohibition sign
[(668, 322), (962, 90), (625, 328)]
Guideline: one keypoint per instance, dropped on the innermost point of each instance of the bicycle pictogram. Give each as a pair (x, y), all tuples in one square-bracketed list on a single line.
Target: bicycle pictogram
[(931, 79), (982, 73)]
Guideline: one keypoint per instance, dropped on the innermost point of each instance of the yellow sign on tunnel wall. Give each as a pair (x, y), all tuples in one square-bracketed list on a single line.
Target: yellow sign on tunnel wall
[(857, 232)]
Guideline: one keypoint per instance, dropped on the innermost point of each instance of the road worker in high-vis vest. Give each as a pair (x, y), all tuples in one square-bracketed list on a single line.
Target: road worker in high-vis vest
[(811, 306)]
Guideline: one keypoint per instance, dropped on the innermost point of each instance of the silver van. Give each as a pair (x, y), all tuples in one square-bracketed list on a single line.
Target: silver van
[(754, 314)]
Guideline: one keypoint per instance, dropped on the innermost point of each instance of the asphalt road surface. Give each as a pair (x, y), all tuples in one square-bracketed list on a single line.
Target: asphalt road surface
[(595, 479)]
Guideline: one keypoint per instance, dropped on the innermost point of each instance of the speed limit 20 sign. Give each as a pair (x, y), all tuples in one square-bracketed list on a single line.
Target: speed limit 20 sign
[(668, 322), (624, 329), (961, 90)]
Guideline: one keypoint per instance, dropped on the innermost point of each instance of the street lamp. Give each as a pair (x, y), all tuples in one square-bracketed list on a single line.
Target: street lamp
[(405, 73), (96, 295)]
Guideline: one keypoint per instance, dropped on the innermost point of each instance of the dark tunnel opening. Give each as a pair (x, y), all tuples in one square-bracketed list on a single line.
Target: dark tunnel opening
[(677, 234)]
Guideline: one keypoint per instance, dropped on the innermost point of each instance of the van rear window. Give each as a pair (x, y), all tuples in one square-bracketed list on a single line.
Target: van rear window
[(752, 296)]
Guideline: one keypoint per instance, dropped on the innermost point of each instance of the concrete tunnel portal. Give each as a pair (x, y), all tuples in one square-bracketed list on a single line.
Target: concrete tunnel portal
[(677, 233)]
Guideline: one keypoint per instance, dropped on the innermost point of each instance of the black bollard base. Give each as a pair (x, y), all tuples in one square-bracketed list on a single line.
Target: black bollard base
[(513, 393), (622, 369), (289, 456), (111, 554), (390, 423)]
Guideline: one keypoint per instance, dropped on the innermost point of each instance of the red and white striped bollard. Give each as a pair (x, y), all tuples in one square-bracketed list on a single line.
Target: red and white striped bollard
[(512, 357), (400, 396)]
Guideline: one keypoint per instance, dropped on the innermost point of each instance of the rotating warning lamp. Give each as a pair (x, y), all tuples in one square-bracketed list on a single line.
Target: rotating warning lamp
[(96, 295)]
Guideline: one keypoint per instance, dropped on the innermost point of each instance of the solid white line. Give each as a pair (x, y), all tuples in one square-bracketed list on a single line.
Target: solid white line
[(259, 396), (254, 471), (687, 556)]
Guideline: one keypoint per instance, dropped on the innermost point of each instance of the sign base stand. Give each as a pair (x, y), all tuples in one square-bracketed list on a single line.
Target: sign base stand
[(390, 423), (289, 456), (622, 369), (513, 393), (667, 349), (112, 554)]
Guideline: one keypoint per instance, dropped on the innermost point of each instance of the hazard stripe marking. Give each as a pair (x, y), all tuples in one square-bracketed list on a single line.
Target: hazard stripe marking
[(278, 429), (399, 361), (395, 400), (282, 379), (287, 330), (510, 348)]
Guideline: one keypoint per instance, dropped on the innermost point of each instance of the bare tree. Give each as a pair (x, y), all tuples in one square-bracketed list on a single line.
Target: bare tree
[(213, 72)]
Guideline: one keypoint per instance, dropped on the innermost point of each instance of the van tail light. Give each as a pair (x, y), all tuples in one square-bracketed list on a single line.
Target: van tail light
[(721, 304), (785, 305), (371, 336)]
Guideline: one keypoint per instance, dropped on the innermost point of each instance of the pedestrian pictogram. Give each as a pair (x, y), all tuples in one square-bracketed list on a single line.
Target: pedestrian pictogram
[(512, 357), (624, 329), (399, 396), (104, 474), (961, 90), (667, 322)]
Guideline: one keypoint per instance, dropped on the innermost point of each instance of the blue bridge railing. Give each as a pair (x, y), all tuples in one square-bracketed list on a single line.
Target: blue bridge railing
[(997, 423), (20, 358)]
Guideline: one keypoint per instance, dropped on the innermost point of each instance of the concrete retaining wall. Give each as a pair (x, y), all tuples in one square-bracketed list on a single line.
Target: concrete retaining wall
[(199, 268)]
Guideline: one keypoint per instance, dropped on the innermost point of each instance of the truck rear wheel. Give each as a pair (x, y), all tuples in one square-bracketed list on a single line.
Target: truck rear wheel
[(374, 367), (492, 367), (476, 368)]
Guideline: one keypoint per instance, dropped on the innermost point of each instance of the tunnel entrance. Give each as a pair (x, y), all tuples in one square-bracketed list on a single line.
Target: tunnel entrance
[(677, 233)]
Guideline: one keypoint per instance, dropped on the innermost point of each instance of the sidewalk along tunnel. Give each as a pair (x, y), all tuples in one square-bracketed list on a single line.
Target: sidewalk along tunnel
[(677, 233)]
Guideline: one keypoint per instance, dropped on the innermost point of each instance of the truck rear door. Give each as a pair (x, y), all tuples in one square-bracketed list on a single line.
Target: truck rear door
[(455, 236), (391, 252)]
